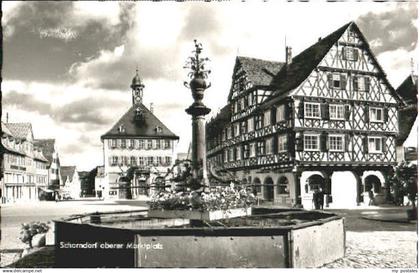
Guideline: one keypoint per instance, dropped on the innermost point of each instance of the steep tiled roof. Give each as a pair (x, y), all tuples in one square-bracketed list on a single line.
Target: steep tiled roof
[(67, 171), (259, 72), (145, 127), (20, 130), (408, 90), (47, 148), (407, 115), (5, 130), (303, 64)]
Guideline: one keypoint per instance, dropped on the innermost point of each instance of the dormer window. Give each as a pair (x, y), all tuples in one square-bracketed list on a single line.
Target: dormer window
[(158, 129), (121, 128)]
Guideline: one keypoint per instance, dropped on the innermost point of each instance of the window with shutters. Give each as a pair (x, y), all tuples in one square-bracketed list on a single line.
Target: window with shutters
[(375, 144), (336, 81), (238, 153), (258, 122), (141, 161), (228, 133), (282, 143), (350, 53), (361, 83), (336, 111), (157, 144), (243, 127), (336, 143), (149, 144), (269, 146), (131, 143), (311, 142), (376, 114), (167, 144), (123, 143), (252, 149), (312, 110), (168, 160), (133, 161), (114, 161), (246, 151), (280, 114), (150, 160), (113, 143), (141, 144), (267, 118), (261, 147), (250, 124)]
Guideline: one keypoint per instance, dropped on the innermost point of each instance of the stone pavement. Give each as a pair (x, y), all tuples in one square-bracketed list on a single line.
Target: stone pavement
[(379, 249)]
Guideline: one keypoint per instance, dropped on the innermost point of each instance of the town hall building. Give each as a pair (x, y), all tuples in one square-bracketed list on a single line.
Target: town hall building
[(140, 141), (326, 119)]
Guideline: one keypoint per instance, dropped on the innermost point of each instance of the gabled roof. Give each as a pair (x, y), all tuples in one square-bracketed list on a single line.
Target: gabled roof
[(292, 75), (47, 147), (407, 115), (20, 130), (408, 90), (145, 127), (259, 72), (67, 171), (5, 130), (217, 123)]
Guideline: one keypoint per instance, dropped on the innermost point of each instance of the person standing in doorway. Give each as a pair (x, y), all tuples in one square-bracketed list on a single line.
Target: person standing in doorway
[(315, 199), (321, 199)]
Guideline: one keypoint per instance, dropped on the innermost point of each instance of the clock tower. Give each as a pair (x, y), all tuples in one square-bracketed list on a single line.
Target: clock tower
[(137, 89)]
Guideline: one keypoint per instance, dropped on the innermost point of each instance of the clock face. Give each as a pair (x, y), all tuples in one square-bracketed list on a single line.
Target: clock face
[(137, 98)]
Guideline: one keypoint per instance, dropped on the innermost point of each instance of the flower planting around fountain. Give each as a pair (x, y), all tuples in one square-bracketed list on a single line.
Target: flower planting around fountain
[(220, 202)]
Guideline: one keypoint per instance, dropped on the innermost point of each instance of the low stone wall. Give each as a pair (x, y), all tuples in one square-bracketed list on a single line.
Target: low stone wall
[(312, 240)]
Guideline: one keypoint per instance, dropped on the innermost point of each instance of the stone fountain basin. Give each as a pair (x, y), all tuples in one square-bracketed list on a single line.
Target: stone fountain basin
[(270, 238)]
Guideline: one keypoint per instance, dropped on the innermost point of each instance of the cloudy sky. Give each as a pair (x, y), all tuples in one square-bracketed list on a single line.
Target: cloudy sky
[(67, 66)]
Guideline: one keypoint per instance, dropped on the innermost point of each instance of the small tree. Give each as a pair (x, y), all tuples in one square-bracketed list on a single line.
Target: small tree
[(28, 231), (405, 181)]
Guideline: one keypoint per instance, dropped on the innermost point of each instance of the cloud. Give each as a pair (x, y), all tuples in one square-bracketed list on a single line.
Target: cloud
[(83, 111), (391, 30), (43, 39)]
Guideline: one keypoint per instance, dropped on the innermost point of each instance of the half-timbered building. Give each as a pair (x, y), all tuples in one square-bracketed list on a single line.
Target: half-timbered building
[(325, 119)]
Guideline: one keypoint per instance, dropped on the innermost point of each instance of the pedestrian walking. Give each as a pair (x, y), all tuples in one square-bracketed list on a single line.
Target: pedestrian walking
[(371, 198), (321, 199), (315, 199)]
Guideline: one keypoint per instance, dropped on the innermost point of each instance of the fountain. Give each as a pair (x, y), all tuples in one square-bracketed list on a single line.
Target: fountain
[(201, 225)]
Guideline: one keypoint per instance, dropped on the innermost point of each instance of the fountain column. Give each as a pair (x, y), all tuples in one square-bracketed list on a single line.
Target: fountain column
[(198, 111)]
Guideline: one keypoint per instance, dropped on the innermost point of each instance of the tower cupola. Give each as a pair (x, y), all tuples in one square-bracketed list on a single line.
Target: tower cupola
[(137, 88)]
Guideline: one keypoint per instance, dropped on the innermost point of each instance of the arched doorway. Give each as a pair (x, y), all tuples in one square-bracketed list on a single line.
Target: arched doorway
[(283, 185), (269, 189), (256, 186), (314, 182), (373, 183)]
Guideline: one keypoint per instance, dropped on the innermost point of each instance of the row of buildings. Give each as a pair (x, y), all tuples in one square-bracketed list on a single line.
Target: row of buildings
[(30, 168)]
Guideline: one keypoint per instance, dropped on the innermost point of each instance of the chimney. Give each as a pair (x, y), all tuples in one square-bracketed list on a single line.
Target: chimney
[(288, 55), (151, 107)]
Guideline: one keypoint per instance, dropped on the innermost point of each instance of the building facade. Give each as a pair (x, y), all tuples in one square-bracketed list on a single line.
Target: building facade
[(70, 182), (49, 150), (138, 143), (325, 119), (24, 167)]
